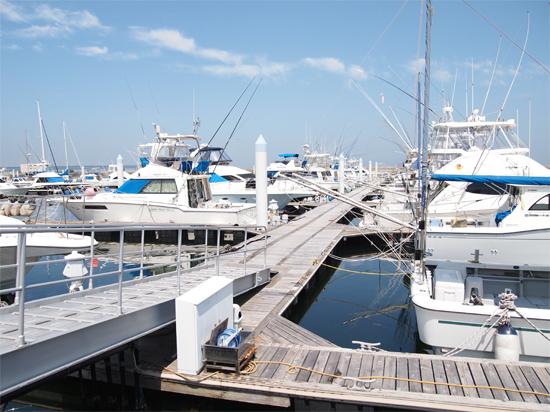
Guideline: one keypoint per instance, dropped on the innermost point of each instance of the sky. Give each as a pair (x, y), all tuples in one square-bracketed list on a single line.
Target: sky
[(110, 69)]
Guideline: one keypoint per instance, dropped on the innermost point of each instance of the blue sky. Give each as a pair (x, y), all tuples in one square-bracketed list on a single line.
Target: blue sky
[(110, 68)]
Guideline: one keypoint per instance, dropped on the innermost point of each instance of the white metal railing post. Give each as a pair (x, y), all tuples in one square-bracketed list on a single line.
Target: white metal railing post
[(205, 245), (245, 247), (218, 252), (21, 261), (142, 253), (91, 273), (265, 247), (120, 269), (178, 260)]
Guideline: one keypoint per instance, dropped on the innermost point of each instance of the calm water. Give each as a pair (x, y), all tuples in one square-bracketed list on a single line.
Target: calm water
[(50, 271), (373, 306)]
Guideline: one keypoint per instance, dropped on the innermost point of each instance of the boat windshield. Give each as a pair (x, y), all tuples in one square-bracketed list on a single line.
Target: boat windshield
[(213, 155)]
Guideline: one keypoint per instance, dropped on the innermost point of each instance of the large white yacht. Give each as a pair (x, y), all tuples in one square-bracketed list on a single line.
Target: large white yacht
[(477, 271), (160, 194), (228, 183)]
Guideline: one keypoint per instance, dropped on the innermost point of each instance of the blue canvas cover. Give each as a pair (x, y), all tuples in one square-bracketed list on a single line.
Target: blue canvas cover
[(507, 180), (133, 186)]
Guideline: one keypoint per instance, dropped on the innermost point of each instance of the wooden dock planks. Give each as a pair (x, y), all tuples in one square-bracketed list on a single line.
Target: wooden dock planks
[(295, 363)]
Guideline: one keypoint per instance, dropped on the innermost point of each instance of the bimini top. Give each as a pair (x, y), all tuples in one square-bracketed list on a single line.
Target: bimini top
[(287, 155), (507, 180)]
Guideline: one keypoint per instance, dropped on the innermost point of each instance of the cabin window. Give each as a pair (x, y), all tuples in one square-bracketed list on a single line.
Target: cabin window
[(160, 186), (542, 204), (487, 188), (231, 178), (247, 176)]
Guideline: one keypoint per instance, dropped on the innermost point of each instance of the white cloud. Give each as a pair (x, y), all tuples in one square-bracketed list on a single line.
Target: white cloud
[(47, 21), (174, 40), (82, 19), (11, 47), (249, 70), (442, 75), (92, 51), (416, 65), (245, 70), (11, 12), (41, 31), (357, 72), (329, 64), (104, 53)]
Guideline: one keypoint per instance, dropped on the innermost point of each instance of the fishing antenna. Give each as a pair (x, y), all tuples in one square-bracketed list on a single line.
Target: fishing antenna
[(238, 121), (49, 145), (136, 108), (365, 94), (517, 68), (404, 91), (492, 76), (228, 113), (74, 148), (503, 33), (454, 88), (401, 126)]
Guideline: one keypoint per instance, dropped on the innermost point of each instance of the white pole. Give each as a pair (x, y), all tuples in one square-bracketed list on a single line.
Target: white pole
[(376, 169), (261, 182), (119, 170), (517, 126), (370, 170), (529, 129), (65, 142), (43, 160), (360, 167), (341, 171), (472, 84)]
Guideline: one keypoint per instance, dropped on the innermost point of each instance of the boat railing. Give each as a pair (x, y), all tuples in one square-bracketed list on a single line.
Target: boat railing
[(254, 243)]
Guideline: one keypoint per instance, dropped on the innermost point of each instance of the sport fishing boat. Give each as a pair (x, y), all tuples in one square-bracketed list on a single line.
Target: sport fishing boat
[(160, 194), (228, 183), (237, 185), (518, 235), (8, 189), (481, 279), (458, 202)]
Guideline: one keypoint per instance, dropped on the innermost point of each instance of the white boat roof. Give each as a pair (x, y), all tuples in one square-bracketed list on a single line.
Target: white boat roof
[(10, 221)]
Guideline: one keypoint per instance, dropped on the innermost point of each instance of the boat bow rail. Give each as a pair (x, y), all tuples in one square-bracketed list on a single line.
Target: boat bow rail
[(39, 338)]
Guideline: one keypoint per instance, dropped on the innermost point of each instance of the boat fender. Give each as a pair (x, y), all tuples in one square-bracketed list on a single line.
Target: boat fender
[(26, 209), (507, 346), (5, 210), (15, 208)]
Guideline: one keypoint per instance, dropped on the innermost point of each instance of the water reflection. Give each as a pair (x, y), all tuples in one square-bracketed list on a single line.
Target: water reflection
[(364, 299)]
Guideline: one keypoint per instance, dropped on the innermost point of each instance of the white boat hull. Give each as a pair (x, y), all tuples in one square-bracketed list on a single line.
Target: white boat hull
[(495, 246), (446, 325), (161, 213)]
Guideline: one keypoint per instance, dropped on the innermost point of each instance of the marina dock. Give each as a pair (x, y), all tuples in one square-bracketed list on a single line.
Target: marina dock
[(295, 367)]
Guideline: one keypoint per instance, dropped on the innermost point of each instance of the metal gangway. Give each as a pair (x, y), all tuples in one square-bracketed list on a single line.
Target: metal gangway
[(44, 337)]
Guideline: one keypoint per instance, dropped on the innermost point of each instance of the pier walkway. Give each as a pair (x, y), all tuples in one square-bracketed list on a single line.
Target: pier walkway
[(63, 331)]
